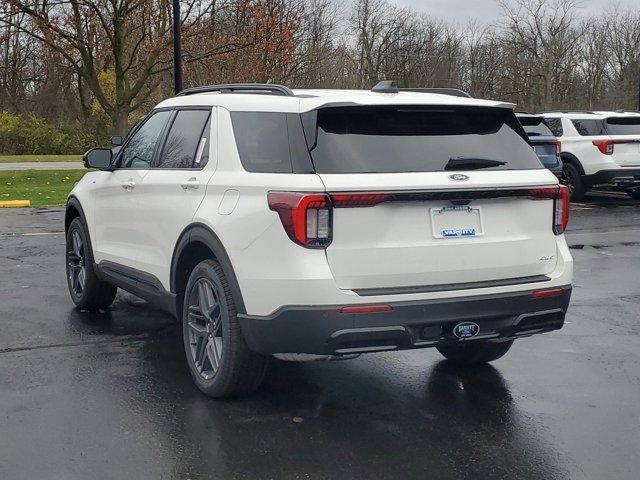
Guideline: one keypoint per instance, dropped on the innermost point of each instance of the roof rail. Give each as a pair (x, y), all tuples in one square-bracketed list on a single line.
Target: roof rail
[(589, 112), (454, 92), (259, 88)]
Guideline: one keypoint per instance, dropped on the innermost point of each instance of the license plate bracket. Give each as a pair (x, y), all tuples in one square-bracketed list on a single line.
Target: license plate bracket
[(458, 221)]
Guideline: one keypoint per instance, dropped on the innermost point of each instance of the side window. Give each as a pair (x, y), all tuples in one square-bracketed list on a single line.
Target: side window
[(138, 152), (588, 127), (185, 143), (555, 125), (263, 141)]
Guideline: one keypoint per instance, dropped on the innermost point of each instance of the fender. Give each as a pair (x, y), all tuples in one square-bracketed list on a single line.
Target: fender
[(199, 232), (570, 158), (73, 201)]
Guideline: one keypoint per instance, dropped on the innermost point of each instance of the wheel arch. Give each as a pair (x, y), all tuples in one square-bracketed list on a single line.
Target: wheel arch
[(567, 157), (74, 210), (196, 243)]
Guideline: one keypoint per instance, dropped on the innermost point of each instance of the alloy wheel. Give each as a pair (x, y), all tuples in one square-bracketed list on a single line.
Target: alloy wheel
[(568, 180), (76, 270), (204, 326)]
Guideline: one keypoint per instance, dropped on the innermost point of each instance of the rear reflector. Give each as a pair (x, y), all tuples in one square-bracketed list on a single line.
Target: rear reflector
[(558, 147), (366, 309), (306, 217), (549, 292)]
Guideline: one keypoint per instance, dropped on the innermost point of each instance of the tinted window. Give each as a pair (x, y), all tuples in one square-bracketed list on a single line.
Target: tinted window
[(183, 140), (535, 126), (138, 152), (417, 139), (263, 141), (623, 125), (588, 127), (555, 125)]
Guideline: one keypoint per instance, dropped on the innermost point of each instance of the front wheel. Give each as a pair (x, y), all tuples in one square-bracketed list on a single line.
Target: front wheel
[(87, 291), (473, 353), (219, 359)]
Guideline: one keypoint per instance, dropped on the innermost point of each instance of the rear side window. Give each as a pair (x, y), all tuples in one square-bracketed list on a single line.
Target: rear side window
[(555, 125), (270, 142), (418, 139), (623, 125), (589, 127), (535, 126), (184, 138)]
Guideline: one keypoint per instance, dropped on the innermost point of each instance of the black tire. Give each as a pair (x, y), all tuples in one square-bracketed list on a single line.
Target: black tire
[(474, 353), (87, 291), (219, 359), (573, 180)]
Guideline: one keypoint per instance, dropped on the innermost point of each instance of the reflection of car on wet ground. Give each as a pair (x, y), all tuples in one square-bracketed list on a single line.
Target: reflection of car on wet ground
[(544, 142), (599, 149), (311, 224)]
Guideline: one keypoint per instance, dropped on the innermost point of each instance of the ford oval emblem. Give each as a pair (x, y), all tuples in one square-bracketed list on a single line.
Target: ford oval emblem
[(458, 177), (466, 330)]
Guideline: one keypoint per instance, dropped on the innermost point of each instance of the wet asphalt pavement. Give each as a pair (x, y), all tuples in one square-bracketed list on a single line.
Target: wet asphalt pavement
[(108, 396)]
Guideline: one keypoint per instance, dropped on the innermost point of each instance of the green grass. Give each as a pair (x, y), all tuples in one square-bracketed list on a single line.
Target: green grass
[(41, 187), (39, 158)]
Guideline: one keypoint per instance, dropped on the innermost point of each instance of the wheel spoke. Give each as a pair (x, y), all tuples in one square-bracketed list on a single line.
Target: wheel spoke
[(214, 354), (203, 300), (82, 277), (201, 352), (77, 244)]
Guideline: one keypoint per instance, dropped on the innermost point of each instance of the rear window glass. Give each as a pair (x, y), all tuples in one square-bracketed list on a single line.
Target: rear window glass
[(589, 127), (418, 139), (535, 126), (555, 125), (623, 125)]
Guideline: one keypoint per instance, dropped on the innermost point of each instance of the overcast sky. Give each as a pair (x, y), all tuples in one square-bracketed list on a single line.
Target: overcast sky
[(486, 10)]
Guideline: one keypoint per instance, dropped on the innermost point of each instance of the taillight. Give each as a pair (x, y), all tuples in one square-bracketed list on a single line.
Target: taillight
[(605, 146), (560, 196), (366, 199), (306, 217), (558, 147)]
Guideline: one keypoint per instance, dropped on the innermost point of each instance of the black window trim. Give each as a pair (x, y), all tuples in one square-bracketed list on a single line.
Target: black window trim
[(165, 135), (161, 138)]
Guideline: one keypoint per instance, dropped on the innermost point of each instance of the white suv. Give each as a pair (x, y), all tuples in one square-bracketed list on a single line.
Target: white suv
[(313, 224), (598, 149)]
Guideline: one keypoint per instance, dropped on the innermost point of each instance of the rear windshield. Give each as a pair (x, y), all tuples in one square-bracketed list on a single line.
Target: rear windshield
[(623, 125), (535, 126), (418, 139)]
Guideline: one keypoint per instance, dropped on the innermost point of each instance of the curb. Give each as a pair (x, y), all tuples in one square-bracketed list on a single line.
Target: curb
[(14, 203)]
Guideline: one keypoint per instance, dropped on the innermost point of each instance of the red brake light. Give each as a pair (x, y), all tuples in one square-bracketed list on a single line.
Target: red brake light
[(365, 199), (605, 146), (560, 196), (306, 217)]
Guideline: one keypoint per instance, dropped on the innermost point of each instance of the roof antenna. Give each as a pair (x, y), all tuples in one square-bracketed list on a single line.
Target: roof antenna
[(386, 86)]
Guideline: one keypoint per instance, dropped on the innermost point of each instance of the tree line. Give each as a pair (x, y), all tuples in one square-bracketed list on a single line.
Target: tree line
[(98, 65)]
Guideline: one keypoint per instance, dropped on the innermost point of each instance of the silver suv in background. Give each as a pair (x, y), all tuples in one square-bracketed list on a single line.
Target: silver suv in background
[(543, 141)]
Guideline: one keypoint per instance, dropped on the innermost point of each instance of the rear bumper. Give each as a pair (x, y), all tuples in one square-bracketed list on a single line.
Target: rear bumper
[(326, 331), (620, 178)]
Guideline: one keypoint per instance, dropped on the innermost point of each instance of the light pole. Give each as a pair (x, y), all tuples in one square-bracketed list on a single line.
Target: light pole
[(177, 48)]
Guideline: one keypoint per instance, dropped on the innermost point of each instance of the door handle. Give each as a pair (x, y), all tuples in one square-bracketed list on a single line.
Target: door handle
[(129, 185), (190, 184)]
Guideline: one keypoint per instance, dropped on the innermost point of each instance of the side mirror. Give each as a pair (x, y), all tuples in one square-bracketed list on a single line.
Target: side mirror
[(99, 158), (116, 140)]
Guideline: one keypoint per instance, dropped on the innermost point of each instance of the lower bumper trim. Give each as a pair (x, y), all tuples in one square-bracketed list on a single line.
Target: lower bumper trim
[(326, 331)]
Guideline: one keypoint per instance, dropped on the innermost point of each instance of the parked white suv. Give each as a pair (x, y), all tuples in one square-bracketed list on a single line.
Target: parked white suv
[(318, 224), (598, 149)]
